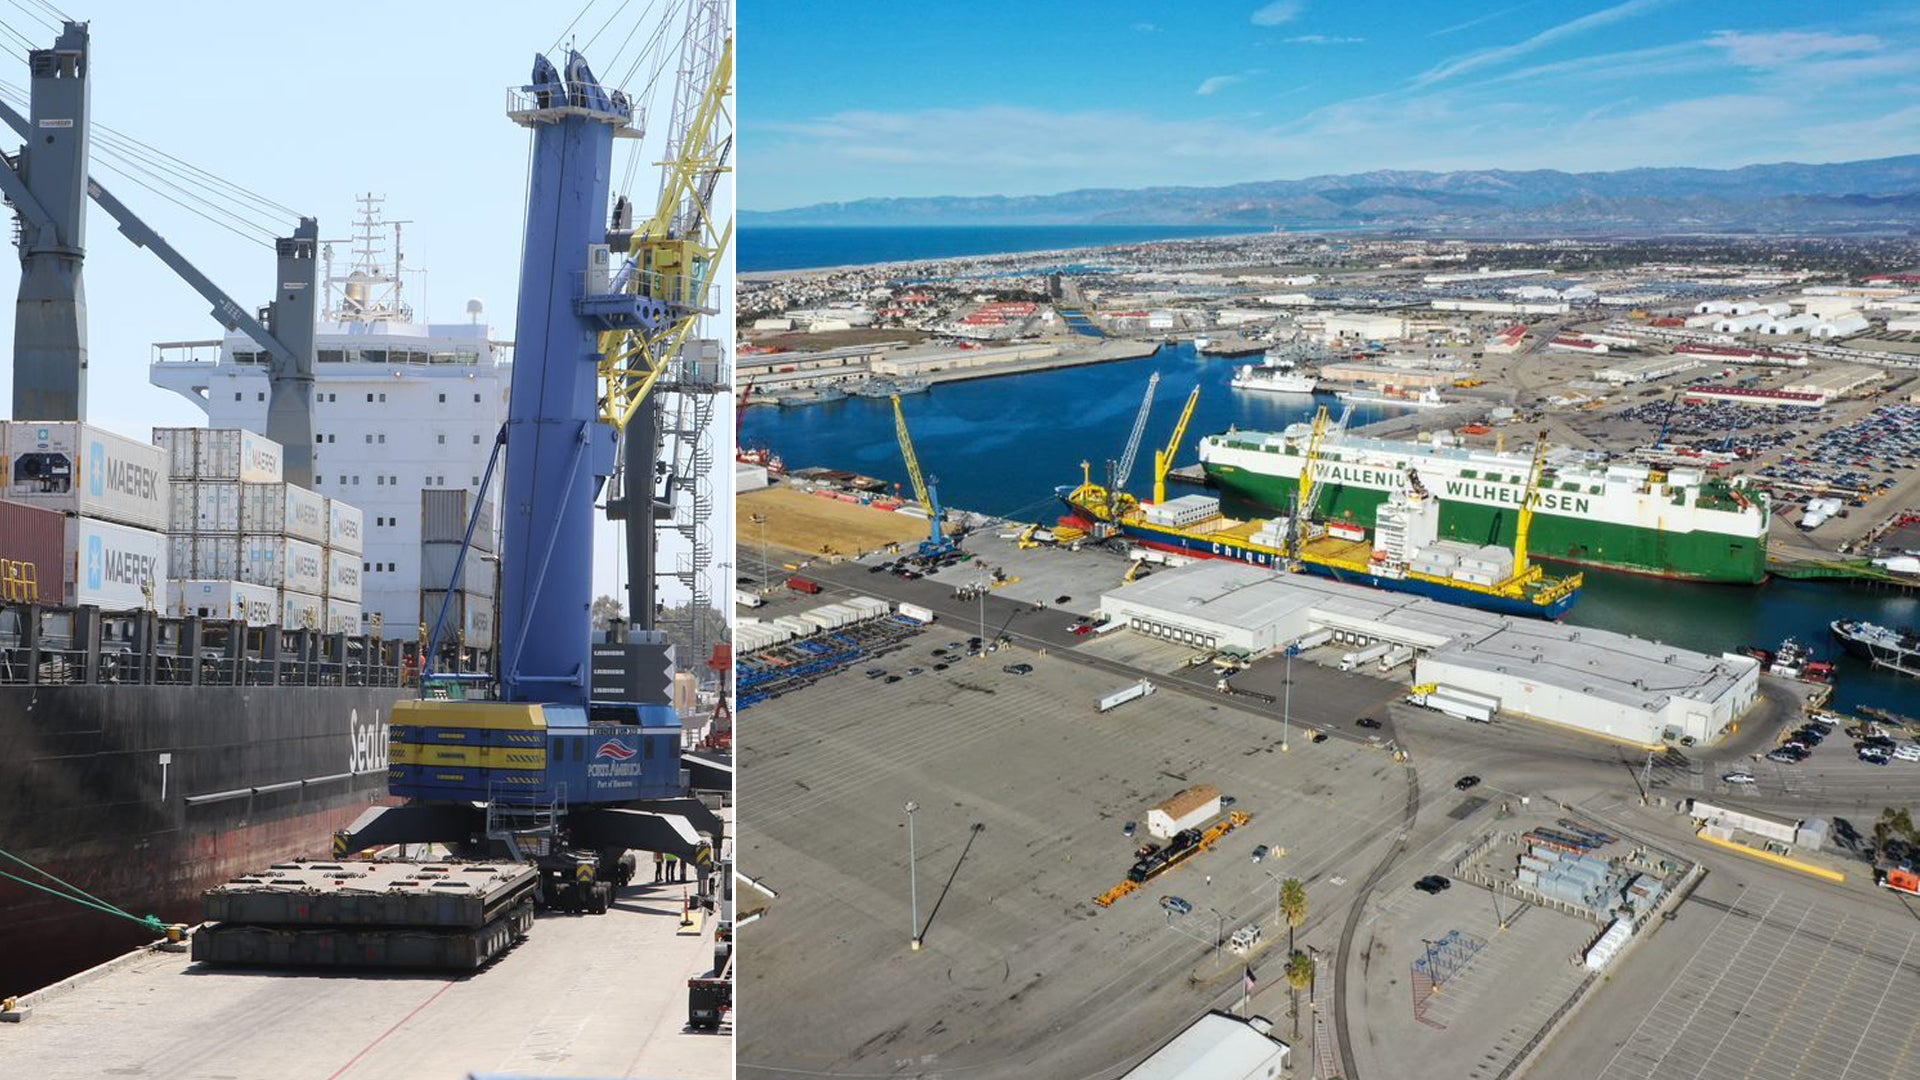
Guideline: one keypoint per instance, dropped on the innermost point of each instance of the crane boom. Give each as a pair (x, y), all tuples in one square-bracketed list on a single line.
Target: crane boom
[(913, 461), (1527, 501), (1163, 459), (1132, 451)]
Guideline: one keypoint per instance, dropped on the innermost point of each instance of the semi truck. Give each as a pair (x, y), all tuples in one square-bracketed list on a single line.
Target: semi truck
[(1365, 656)]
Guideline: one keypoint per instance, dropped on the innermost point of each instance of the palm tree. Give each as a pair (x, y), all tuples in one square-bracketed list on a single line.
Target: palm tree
[(1293, 905), (1299, 975)]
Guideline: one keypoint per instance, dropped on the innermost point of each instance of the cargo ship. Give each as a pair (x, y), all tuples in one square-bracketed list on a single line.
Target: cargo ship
[(156, 740), (1680, 523), (1402, 552), (1275, 374)]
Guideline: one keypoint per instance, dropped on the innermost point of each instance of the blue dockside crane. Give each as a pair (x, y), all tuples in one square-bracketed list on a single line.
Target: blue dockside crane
[(539, 768)]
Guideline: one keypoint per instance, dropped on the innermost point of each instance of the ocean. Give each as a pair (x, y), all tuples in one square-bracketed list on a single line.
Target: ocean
[(763, 248), (1001, 445)]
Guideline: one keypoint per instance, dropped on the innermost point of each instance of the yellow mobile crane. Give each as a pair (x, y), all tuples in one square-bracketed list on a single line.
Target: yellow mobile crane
[(937, 543), (1163, 459)]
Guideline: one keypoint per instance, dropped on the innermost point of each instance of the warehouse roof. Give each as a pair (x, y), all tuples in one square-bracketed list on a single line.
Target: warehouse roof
[(1627, 670), (1216, 1047)]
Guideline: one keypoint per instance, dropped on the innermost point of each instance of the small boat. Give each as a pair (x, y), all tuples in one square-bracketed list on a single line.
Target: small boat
[(1276, 373)]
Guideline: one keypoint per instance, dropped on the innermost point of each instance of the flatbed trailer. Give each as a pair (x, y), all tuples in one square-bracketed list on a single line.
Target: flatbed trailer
[(1210, 837)]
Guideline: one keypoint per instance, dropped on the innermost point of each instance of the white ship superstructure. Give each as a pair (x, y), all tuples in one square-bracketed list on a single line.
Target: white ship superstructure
[(399, 407)]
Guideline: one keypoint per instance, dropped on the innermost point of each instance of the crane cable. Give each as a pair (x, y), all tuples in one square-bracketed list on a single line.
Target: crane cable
[(188, 180)]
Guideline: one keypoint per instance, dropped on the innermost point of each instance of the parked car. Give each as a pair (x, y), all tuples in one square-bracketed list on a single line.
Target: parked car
[(1127, 830), (1466, 782), (1018, 669), (1176, 905), (1367, 722), (875, 673), (1433, 884), (1259, 853), (1317, 736), (1784, 757), (1738, 778)]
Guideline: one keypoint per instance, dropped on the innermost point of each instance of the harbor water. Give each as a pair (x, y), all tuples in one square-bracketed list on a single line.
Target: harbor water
[(1001, 445), (766, 248)]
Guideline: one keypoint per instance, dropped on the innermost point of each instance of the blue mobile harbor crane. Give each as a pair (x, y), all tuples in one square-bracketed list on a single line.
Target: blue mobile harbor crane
[(539, 769)]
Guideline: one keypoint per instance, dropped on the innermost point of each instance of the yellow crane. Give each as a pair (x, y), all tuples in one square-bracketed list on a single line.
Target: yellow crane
[(1306, 492), (936, 543), (1527, 500), (676, 253), (1163, 459)]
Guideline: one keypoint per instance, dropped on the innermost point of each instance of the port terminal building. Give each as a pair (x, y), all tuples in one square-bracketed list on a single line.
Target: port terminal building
[(1596, 681)]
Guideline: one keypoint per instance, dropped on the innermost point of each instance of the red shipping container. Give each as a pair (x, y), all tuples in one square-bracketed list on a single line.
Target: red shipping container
[(33, 563)]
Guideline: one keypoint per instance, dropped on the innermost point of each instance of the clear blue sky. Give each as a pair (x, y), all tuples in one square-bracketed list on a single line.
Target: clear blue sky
[(309, 105), (859, 99)]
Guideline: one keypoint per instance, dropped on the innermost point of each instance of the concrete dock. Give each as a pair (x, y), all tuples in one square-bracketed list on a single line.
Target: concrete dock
[(598, 995)]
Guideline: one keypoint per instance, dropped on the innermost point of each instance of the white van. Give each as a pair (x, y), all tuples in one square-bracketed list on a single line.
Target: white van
[(1245, 938)]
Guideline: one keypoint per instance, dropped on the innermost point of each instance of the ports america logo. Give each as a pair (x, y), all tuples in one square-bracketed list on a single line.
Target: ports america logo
[(617, 749)]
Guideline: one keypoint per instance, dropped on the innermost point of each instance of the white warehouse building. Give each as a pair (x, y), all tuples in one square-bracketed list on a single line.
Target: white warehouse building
[(1596, 681)]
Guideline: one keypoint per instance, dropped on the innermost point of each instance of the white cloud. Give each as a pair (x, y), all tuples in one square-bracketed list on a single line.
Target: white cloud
[(1322, 39), (1472, 61), (1220, 82), (1145, 27), (1470, 23), (1786, 46), (1278, 12)]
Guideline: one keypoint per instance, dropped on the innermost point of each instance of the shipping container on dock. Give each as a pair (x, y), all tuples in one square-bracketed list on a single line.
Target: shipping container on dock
[(437, 560), (283, 563), (343, 576), (344, 524), (33, 562), (115, 567), (255, 605), (283, 510), (443, 518), (86, 471)]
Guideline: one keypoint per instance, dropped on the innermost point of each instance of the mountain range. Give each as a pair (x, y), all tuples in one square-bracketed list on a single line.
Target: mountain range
[(1881, 195)]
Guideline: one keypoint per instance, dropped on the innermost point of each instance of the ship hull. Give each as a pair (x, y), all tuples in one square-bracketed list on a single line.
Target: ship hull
[(145, 796), (1183, 544), (1695, 555)]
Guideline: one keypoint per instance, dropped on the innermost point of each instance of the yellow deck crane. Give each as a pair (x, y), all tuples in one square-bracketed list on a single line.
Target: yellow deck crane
[(1163, 459), (937, 543), (1306, 492), (1529, 497)]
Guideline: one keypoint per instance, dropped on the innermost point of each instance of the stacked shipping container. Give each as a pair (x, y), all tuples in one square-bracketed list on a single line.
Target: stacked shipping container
[(468, 601), (246, 544), (111, 495)]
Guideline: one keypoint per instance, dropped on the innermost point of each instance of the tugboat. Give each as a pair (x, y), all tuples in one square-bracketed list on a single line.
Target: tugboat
[(1791, 660)]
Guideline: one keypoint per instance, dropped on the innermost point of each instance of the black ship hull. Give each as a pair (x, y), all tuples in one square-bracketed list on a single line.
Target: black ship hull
[(146, 795)]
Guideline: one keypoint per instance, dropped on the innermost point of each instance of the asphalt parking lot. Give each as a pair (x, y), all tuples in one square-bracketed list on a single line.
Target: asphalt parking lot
[(1781, 986), (1022, 788)]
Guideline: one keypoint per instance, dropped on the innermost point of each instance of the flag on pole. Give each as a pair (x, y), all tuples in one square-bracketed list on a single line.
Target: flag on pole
[(1250, 980)]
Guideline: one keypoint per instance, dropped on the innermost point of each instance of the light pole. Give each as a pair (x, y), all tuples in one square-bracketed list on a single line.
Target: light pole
[(1431, 975), (765, 573), (983, 618), (1278, 917), (913, 880), (1286, 702), (1219, 929)]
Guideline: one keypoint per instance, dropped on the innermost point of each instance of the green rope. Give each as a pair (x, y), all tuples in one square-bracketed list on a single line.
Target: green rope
[(78, 895)]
